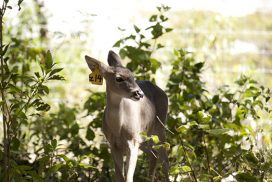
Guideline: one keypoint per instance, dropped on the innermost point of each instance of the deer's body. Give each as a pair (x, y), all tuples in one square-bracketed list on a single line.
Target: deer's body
[(132, 107)]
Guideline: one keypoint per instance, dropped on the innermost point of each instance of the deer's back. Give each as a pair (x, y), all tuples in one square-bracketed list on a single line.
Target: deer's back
[(157, 97)]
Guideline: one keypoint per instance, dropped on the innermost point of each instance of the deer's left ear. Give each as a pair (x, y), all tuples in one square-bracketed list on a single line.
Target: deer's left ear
[(92, 63), (114, 60)]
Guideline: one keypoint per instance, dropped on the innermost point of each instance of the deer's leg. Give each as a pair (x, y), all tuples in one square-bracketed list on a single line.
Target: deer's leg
[(118, 164), (152, 157), (133, 147), (163, 156), (165, 162), (152, 164)]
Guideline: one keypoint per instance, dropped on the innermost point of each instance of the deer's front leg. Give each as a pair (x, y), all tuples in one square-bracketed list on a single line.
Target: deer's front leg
[(133, 147), (117, 156)]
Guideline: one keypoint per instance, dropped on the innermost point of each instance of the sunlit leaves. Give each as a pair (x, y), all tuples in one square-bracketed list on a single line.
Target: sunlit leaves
[(139, 46), (212, 123)]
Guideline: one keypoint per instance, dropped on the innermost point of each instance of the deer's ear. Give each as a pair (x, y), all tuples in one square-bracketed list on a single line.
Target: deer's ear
[(92, 63), (114, 60)]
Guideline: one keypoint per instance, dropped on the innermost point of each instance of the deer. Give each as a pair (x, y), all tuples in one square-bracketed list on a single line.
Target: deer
[(132, 107)]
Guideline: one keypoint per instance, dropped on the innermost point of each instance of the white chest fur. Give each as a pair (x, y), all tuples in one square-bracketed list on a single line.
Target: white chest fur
[(127, 118)]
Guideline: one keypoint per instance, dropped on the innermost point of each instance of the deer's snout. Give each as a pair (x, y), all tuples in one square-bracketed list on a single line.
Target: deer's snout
[(137, 95)]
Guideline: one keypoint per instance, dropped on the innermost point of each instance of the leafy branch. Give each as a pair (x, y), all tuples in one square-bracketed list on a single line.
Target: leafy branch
[(141, 49)]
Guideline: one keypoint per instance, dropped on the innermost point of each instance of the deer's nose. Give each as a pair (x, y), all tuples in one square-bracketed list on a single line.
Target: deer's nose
[(137, 95)]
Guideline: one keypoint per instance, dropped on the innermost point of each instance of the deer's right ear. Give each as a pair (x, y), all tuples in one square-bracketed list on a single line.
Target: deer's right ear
[(92, 63), (114, 60)]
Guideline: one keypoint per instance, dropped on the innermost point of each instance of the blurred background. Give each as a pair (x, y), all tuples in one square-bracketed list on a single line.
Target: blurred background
[(232, 37)]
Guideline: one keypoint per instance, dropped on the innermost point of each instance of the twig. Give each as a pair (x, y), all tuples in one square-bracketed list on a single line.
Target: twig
[(164, 125), (187, 158), (5, 121), (207, 157)]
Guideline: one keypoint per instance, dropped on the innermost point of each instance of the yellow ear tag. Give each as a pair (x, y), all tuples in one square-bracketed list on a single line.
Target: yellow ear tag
[(96, 77)]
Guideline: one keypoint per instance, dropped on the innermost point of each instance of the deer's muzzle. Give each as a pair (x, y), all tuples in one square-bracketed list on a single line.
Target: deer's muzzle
[(137, 95)]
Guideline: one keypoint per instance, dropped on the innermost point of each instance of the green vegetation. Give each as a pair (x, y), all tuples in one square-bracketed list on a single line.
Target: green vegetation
[(210, 134)]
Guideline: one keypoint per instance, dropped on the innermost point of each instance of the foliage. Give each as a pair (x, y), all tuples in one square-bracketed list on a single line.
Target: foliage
[(211, 133), (141, 48), (22, 100)]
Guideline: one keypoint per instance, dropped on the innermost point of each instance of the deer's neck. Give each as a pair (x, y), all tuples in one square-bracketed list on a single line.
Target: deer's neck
[(113, 100)]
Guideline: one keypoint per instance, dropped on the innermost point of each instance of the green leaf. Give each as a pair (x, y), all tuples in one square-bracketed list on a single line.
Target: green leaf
[(215, 99), (245, 177), (90, 134), (48, 60), (24, 168), (118, 43), (74, 129), (241, 112), (193, 123), (155, 139), (199, 65), (156, 30), (166, 146), (34, 175), (251, 92), (37, 74), (55, 168), (160, 46), (48, 149), (43, 107), (56, 77), (258, 103), (86, 166), (54, 71), (155, 64), (4, 49), (168, 30), (153, 18), (242, 80), (136, 29), (64, 157), (44, 159), (15, 144), (217, 178), (186, 169), (174, 170), (251, 157), (204, 117), (163, 18), (19, 4), (54, 143), (43, 89), (220, 131), (182, 129)]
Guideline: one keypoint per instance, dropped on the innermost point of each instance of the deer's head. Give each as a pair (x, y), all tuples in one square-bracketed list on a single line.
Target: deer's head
[(119, 79)]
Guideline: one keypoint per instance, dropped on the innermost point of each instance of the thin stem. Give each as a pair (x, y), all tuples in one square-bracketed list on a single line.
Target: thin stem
[(5, 122), (154, 46), (187, 158), (207, 157)]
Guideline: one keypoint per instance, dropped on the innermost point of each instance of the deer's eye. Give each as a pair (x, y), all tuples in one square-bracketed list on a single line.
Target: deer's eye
[(119, 79)]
